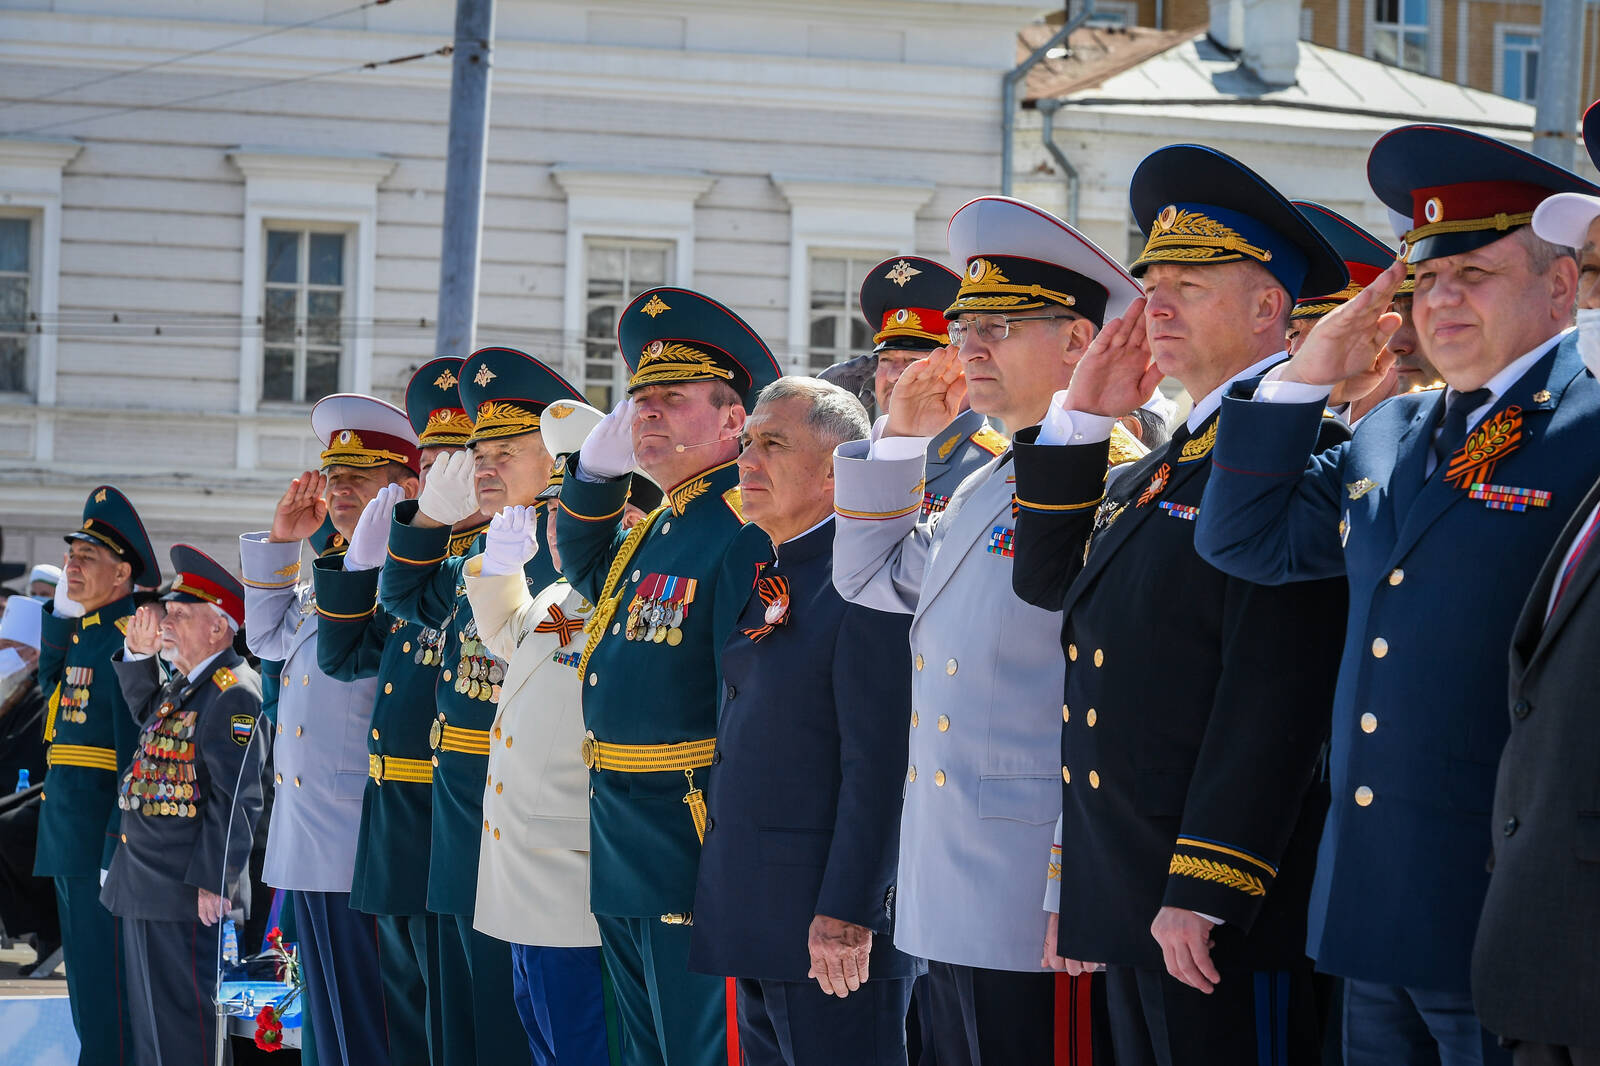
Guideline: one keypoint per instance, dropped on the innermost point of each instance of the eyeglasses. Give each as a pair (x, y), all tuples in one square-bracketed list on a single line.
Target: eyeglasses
[(992, 329)]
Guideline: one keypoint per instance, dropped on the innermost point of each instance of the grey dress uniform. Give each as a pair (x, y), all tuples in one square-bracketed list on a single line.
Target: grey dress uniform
[(190, 800), (956, 451)]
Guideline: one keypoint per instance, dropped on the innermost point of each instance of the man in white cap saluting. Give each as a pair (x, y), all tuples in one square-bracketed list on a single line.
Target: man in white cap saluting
[(983, 784)]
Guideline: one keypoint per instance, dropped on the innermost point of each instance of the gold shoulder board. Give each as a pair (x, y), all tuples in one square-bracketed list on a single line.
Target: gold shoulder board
[(735, 501), (990, 440), (122, 624), (223, 678)]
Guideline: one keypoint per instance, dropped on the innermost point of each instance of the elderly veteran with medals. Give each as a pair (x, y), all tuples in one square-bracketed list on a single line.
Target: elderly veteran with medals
[(91, 737), (190, 799), (533, 863), (982, 785), (666, 593), (1188, 820), (505, 464), (357, 639), (320, 742), (1434, 491), (796, 886)]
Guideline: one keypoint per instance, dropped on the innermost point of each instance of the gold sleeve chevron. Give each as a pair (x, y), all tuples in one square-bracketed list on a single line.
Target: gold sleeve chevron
[(1218, 873)]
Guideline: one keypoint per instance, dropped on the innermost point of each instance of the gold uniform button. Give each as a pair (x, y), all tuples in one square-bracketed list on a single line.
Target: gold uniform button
[(1072, 652), (1066, 776), (944, 727), (1094, 779), (486, 825), (951, 667), (124, 838), (280, 779), (406, 647), (1099, 657), (919, 661), (445, 676), (299, 730), (1363, 796), (911, 774), (305, 679), (1369, 723), (497, 732), (938, 778), (1066, 715), (388, 688), (1396, 576), (1380, 647), (74, 638), (594, 679), (436, 760), (297, 782), (501, 787), (497, 834), (509, 740), (280, 729), (915, 720), (374, 734)]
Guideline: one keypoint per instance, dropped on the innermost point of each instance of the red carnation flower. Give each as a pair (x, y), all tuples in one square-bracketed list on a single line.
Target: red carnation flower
[(269, 1029)]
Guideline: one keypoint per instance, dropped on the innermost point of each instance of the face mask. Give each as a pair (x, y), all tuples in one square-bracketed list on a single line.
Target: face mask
[(1589, 338), (11, 665)]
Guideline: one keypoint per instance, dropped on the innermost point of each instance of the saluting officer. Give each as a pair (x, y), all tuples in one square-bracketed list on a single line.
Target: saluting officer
[(356, 638), (505, 392), (1442, 506), (982, 785), (665, 594), (903, 300), (190, 799), (319, 751), (91, 738)]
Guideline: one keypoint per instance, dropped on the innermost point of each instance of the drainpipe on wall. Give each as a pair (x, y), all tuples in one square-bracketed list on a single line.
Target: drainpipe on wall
[(1008, 91), (1047, 134)]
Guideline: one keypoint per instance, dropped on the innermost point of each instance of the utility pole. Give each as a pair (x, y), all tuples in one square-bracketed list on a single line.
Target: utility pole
[(1560, 61), (465, 161)]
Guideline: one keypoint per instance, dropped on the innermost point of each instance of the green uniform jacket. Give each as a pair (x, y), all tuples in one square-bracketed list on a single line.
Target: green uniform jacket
[(79, 820), (357, 638), (421, 580), (645, 850)]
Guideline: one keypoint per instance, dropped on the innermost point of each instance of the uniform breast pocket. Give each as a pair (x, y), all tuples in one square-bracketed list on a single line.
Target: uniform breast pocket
[(1035, 800), (795, 847)]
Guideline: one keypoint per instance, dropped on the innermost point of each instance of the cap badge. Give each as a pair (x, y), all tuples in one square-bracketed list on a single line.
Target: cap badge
[(1433, 210), (559, 410), (344, 436), (655, 306), (1167, 217), (446, 380), (100, 497), (484, 376), (977, 268), (901, 273), (900, 316), (654, 348)]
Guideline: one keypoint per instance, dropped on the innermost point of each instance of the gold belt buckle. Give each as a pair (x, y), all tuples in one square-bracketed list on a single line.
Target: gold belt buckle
[(436, 734), (376, 767), (591, 753), (686, 918)]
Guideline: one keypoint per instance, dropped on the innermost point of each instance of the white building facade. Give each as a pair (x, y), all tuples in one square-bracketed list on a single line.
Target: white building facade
[(201, 234)]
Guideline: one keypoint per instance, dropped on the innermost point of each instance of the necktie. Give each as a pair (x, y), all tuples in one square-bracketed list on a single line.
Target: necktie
[(1453, 430), (1572, 565)]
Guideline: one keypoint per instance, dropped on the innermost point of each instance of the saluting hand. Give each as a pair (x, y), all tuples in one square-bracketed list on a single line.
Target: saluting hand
[(144, 632), (840, 952), (929, 395), (1349, 341), (301, 510), (509, 543), (1116, 373), (1185, 940), (369, 541)]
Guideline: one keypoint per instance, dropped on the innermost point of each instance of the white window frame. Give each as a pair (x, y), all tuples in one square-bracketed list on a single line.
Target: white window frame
[(840, 216), (619, 375), (303, 288), (1501, 30), (338, 191), (852, 288), (30, 184), (622, 205), (1429, 29)]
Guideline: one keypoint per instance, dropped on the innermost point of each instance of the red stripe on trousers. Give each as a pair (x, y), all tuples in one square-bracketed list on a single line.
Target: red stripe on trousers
[(733, 1024), (1074, 1032)]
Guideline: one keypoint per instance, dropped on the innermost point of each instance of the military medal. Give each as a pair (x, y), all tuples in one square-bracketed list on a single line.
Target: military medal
[(776, 610), (774, 593), (1357, 489)]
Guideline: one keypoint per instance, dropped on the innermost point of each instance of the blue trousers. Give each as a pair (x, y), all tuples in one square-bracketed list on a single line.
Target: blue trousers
[(343, 994), (794, 1023), (670, 1017), (1253, 1018), (1387, 1025), (560, 996), (91, 945)]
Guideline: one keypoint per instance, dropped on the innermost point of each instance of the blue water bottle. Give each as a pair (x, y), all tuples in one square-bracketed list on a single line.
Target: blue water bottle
[(22, 780)]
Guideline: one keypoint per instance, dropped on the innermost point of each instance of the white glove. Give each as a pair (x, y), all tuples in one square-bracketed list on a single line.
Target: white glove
[(369, 544), (64, 606), (607, 451), (509, 543), (447, 496)]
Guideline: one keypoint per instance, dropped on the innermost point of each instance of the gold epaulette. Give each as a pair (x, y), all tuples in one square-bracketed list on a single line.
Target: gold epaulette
[(1435, 387), (990, 440), (122, 624), (735, 501), (224, 678), (1125, 447)]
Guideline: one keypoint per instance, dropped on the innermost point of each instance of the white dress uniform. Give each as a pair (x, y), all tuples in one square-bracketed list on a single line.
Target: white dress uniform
[(533, 864)]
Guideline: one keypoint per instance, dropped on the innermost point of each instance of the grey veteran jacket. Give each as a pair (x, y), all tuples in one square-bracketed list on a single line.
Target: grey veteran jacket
[(983, 785), (320, 743)]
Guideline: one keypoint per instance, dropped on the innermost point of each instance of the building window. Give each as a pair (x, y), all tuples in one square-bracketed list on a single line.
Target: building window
[(837, 330), (302, 315), (1400, 33), (615, 272), (1519, 64), (16, 301)]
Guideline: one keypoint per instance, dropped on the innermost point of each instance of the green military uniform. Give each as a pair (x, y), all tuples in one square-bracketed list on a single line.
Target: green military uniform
[(355, 639), (666, 595), (91, 736), (504, 391)]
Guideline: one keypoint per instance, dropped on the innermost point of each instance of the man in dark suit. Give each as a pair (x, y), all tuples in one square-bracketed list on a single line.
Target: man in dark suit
[(1441, 506), (1189, 817), (1536, 962), (795, 893)]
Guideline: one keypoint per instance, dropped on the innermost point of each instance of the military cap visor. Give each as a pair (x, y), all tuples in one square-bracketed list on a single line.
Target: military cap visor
[(1461, 190), (1365, 257), (1198, 206), (110, 521), (1565, 218), (564, 426), (1019, 258), (505, 391), (671, 336), (364, 432), (903, 301), (201, 579), (433, 404)]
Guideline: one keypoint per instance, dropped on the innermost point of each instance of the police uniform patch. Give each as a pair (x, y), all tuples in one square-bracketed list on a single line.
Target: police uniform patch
[(242, 726)]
